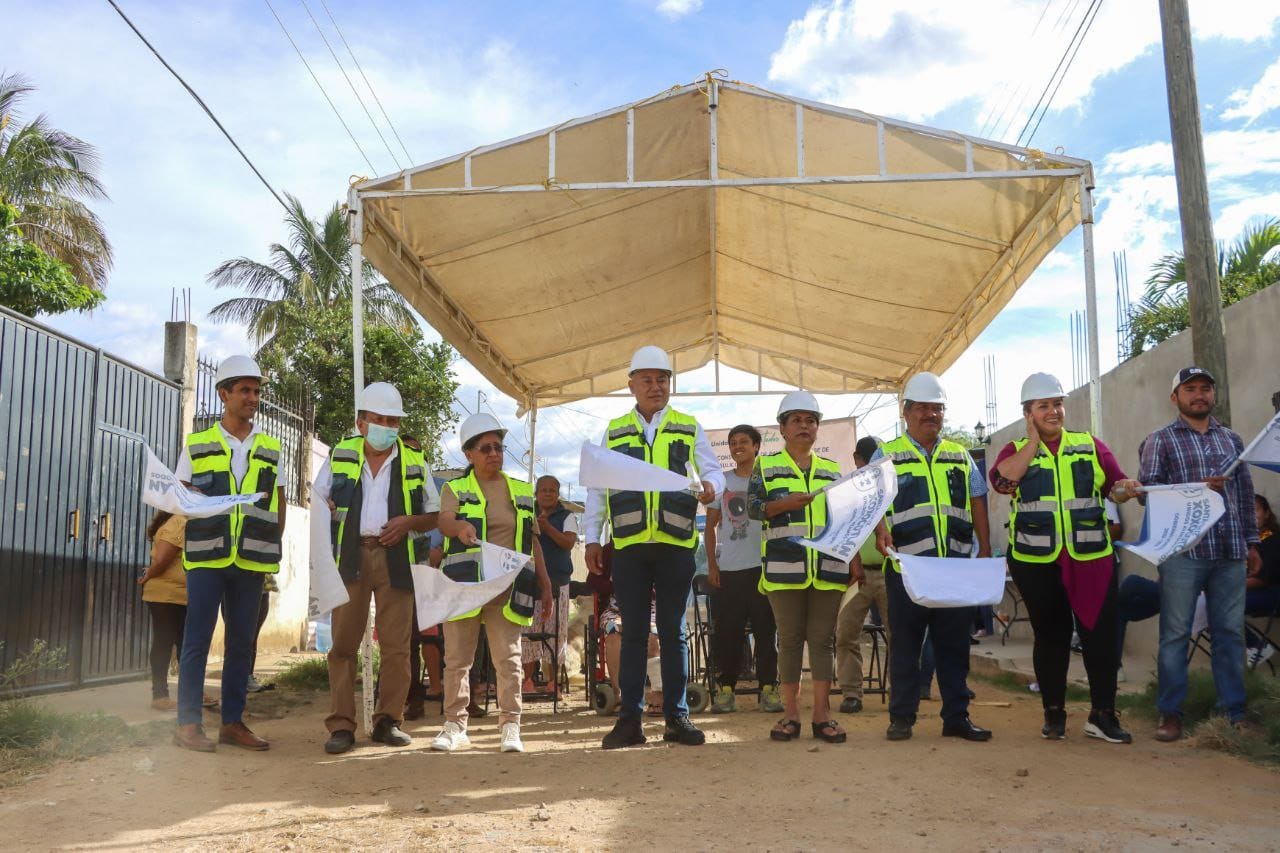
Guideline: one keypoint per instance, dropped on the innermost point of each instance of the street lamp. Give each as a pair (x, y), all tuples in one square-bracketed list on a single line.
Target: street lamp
[(980, 431)]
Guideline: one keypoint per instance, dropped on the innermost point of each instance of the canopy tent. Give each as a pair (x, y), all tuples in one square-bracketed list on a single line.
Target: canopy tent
[(810, 244)]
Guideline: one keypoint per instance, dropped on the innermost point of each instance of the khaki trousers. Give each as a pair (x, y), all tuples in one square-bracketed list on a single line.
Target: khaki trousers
[(853, 613), (394, 620), (460, 638)]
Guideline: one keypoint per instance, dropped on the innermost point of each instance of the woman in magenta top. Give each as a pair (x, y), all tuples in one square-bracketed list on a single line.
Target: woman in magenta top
[(1060, 552)]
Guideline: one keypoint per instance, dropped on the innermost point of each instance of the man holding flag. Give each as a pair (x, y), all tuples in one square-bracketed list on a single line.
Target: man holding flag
[(655, 536), (940, 508), (1196, 448)]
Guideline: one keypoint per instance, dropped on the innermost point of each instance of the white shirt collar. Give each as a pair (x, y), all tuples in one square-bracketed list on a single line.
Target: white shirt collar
[(254, 429)]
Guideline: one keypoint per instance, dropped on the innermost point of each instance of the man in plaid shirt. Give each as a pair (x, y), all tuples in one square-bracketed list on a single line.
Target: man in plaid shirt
[(1196, 448)]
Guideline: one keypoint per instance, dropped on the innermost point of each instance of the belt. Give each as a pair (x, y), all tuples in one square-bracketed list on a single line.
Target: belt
[(370, 542)]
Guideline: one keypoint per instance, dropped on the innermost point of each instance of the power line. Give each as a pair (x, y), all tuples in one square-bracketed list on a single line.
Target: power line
[(319, 85), (1059, 26), (1004, 86), (359, 99), (376, 99), (1096, 8), (1064, 63)]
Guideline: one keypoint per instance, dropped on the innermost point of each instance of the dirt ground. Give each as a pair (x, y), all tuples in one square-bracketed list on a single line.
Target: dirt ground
[(740, 790)]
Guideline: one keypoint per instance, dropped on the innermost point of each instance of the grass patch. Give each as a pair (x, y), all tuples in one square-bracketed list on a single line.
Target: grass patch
[(313, 673), (33, 737)]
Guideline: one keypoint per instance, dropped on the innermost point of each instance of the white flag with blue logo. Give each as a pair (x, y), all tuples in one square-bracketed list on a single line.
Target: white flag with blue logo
[(1264, 450), (1177, 518), (854, 505)]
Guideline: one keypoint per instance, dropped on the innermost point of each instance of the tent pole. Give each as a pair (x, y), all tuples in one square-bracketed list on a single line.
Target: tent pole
[(533, 436), (357, 385), (1091, 305)]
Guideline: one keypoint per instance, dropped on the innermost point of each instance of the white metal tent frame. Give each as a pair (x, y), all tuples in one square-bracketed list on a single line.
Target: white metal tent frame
[(460, 329)]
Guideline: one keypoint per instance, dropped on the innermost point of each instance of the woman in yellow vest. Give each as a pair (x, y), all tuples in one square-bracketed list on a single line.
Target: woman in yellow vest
[(486, 505), (1060, 552), (804, 586)]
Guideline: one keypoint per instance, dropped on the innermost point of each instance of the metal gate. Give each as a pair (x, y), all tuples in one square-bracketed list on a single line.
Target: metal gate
[(73, 421)]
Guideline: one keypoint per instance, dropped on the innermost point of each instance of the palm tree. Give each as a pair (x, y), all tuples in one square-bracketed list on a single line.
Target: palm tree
[(312, 272), (45, 173), (1243, 268)]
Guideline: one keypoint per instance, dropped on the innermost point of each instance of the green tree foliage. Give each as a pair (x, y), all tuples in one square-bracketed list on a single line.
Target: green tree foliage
[(960, 436), (311, 356), (31, 281), (1245, 267), (45, 173)]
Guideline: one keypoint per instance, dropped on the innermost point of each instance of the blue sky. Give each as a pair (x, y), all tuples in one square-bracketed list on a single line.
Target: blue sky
[(453, 76)]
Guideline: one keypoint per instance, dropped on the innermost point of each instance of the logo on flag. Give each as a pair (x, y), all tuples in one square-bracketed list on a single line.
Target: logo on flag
[(1177, 518)]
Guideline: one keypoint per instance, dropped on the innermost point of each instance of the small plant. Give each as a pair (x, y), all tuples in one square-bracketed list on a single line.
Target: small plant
[(309, 674), (40, 657)]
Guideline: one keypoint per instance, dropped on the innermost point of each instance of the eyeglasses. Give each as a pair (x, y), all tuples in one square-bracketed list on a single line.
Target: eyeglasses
[(486, 449)]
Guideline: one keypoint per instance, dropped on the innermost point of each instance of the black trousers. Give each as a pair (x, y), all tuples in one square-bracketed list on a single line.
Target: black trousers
[(1052, 620), (738, 599), (949, 629), (167, 622)]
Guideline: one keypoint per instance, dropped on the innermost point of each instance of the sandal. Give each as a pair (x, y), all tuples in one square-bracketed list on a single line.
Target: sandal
[(829, 731), (785, 729)]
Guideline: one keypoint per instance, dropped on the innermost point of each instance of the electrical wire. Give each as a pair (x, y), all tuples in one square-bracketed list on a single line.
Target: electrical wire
[(359, 68), (1004, 86), (1064, 64), (1097, 8), (1060, 26), (319, 85), (359, 99)]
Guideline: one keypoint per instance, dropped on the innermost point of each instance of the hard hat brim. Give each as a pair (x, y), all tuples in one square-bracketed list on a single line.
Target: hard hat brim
[(385, 412)]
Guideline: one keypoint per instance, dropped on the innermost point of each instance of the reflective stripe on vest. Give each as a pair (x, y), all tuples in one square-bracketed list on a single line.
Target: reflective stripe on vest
[(249, 535), (786, 563), (346, 465), (461, 562), (932, 514), (665, 517), (1059, 501)]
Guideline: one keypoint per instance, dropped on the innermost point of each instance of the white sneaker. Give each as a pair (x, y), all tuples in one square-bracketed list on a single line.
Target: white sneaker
[(511, 738), (1120, 679), (451, 737), (1257, 656)]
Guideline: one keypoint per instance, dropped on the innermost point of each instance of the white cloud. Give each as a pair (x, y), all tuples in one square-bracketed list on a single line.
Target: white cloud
[(1260, 98), (915, 58), (674, 9), (1233, 218)]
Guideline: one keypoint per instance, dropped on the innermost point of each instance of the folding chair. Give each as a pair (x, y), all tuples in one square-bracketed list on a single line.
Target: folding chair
[(549, 641)]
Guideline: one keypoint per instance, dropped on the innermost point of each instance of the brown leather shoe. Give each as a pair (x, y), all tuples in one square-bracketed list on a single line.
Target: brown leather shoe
[(238, 734), (191, 736), (163, 703), (1170, 728)]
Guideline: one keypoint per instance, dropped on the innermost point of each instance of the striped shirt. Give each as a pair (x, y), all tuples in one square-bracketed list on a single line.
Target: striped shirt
[(1179, 454)]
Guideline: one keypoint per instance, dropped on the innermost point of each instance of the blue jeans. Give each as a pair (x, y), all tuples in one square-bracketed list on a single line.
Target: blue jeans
[(662, 574), (1138, 599), (1182, 579), (238, 592)]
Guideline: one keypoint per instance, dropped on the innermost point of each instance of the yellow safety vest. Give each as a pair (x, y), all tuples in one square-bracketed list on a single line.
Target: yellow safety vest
[(932, 513), (1060, 501), (665, 517), (786, 563), (462, 563), (249, 535), (405, 497)]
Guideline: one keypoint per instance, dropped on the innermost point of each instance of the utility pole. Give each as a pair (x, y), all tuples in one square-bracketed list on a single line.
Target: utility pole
[(1208, 341)]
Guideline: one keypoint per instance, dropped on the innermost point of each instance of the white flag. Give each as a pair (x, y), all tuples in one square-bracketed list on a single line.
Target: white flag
[(602, 468), (327, 589), (854, 505), (1264, 450), (165, 492), (440, 599), (1177, 517), (952, 581)]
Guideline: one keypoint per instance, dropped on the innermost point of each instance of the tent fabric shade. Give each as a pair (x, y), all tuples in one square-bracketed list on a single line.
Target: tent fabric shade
[(810, 244)]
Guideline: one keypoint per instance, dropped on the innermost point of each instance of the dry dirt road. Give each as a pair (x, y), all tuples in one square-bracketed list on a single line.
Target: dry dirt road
[(738, 791)]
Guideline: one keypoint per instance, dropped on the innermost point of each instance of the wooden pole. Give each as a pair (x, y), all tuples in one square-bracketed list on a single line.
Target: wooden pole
[(1208, 341)]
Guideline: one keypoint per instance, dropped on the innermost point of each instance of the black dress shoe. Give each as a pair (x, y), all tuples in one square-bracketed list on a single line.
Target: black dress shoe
[(850, 705), (339, 742), (627, 731), (967, 730), (682, 730), (386, 731), (899, 729)]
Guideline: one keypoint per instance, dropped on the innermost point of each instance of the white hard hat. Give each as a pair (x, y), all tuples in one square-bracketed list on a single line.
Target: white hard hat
[(1041, 386), (382, 398), (650, 358), (479, 424), (798, 401), (924, 388), (237, 367)]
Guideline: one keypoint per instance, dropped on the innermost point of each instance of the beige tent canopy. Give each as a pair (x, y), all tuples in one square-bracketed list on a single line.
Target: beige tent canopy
[(810, 244)]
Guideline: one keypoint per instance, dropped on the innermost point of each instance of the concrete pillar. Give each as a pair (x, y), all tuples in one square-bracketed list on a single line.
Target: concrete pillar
[(180, 367)]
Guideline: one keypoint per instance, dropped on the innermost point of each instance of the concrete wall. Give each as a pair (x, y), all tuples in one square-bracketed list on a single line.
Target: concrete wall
[(1135, 401)]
